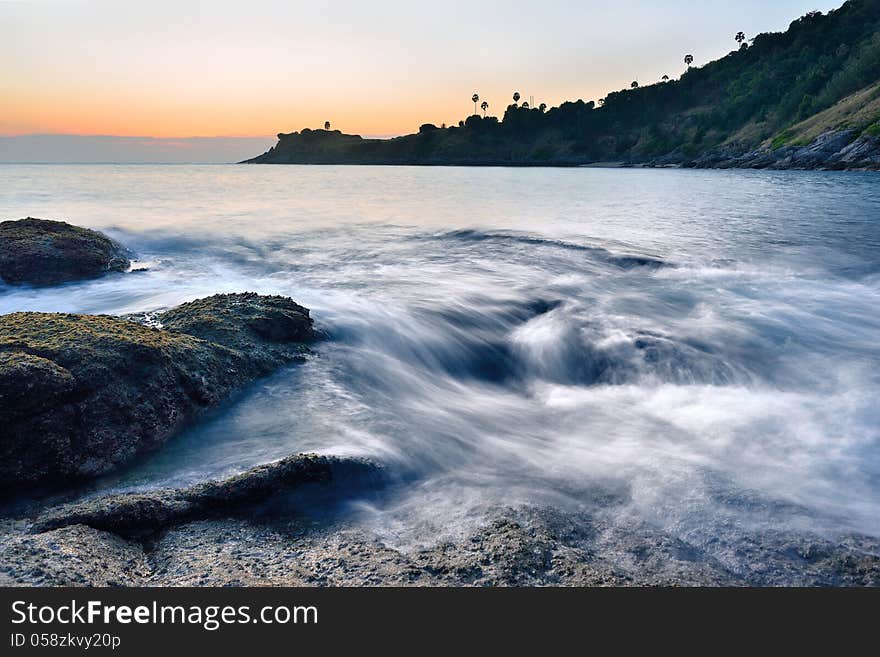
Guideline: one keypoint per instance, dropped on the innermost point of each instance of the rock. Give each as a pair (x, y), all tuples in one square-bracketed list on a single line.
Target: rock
[(835, 149), (241, 321), (130, 514), (863, 153), (43, 252), (515, 547), (81, 395), (73, 556)]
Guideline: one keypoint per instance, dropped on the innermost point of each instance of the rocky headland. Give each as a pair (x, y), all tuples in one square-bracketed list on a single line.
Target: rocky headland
[(834, 150), (805, 98)]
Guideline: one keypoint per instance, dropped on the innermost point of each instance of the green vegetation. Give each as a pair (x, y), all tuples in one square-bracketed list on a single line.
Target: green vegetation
[(755, 95), (782, 139)]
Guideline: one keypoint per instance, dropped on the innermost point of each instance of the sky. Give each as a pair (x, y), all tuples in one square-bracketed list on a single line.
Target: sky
[(184, 69)]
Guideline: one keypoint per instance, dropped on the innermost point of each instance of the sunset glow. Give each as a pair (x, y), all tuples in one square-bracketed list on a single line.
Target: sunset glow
[(172, 69)]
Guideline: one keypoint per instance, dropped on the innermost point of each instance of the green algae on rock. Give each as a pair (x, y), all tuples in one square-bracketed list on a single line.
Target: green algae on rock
[(81, 395), (43, 252)]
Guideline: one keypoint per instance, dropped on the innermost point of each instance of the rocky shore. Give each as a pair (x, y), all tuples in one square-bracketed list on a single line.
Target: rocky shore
[(838, 150), (834, 151), (84, 395), (81, 395), (286, 524)]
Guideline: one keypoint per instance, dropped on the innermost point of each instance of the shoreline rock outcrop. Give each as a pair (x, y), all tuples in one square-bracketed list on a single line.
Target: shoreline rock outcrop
[(132, 514), (44, 252), (81, 395), (836, 150)]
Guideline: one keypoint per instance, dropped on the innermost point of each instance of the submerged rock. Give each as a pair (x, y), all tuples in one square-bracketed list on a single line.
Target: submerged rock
[(81, 395), (43, 252)]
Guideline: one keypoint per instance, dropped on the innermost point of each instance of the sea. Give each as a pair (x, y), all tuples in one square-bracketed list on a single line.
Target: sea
[(705, 344)]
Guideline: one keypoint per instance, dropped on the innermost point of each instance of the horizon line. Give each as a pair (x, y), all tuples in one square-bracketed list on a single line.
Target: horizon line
[(171, 138)]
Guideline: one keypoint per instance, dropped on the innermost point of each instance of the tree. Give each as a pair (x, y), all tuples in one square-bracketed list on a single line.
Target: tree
[(665, 78), (475, 98), (543, 107), (484, 106), (634, 85), (516, 96), (525, 105), (689, 59), (740, 38), (326, 125)]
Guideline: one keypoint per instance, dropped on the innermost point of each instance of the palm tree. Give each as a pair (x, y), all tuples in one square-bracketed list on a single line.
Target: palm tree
[(475, 98), (326, 125), (740, 37), (689, 59), (484, 106), (543, 107), (665, 78), (634, 85), (516, 96)]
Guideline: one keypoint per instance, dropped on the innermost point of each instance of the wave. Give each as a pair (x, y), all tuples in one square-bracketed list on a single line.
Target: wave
[(621, 261)]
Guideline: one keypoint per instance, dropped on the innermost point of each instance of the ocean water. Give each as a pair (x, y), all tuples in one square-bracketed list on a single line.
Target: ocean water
[(706, 344)]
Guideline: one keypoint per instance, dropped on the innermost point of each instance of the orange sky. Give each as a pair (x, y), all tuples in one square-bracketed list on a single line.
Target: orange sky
[(173, 69)]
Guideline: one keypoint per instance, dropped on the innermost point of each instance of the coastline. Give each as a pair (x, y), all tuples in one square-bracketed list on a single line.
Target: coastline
[(841, 150)]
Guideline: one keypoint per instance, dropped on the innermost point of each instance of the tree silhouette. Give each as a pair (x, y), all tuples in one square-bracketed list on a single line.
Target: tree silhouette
[(665, 78), (516, 96), (634, 85), (689, 59), (525, 105), (484, 106), (740, 37), (476, 99), (543, 107), (326, 125)]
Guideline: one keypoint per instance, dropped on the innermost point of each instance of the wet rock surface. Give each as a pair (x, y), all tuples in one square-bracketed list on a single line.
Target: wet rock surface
[(289, 523), (519, 547), (81, 395), (141, 513), (44, 252)]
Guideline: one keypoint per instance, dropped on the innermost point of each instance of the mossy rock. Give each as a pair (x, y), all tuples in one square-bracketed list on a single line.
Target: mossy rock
[(43, 252), (241, 320), (81, 395)]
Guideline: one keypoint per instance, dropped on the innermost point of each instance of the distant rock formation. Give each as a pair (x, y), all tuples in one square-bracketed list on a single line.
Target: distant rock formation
[(833, 150), (806, 98), (43, 252)]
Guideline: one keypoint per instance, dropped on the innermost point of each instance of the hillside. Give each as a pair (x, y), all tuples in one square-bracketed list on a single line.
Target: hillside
[(806, 97)]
